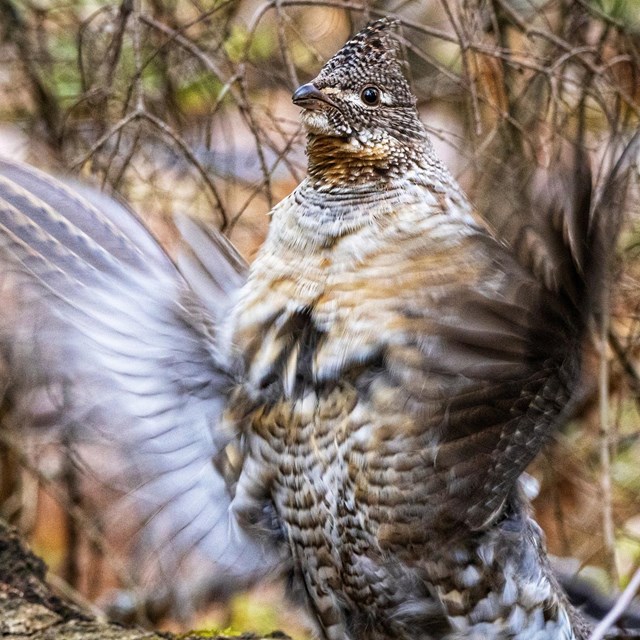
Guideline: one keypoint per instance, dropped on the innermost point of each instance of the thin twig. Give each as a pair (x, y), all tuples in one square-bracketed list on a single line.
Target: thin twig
[(464, 51), (619, 608), (627, 364), (78, 162), (85, 521), (605, 443), (176, 138), (281, 17)]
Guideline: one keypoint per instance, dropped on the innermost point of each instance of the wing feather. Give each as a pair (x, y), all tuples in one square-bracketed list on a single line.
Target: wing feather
[(493, 369), (109, 343)]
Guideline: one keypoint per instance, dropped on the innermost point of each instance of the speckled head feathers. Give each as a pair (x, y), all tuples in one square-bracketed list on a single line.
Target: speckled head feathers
[(372, 55), (361, 93)]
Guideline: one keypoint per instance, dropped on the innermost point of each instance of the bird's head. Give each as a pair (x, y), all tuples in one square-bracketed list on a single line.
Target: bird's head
[(361, 93)]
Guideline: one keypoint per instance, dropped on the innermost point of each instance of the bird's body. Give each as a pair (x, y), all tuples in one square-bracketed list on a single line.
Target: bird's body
[(330, 440), (345, 430), (351, 387), (352, 390), (386, 372)]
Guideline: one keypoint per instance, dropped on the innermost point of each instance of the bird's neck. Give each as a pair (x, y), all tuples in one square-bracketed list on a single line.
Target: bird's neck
[(358, 161), (353, 183)]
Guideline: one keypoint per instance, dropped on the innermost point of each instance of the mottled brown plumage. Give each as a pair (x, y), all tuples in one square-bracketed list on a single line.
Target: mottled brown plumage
[(405, 367), (369, 393)]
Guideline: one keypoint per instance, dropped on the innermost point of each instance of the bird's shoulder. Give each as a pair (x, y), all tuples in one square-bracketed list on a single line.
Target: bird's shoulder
[(383, 274)]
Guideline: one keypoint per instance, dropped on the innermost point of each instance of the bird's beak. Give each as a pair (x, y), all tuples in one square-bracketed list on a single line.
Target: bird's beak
[(308, 96)]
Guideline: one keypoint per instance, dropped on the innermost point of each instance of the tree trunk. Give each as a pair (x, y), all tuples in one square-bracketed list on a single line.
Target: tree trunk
[(30, 610)]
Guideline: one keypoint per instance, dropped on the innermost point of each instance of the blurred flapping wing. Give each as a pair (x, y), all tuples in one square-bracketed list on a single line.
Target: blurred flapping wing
[(521, 343), (112, 349)]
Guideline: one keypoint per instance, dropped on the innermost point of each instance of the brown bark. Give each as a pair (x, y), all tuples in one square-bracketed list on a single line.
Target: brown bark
[(30, 610)]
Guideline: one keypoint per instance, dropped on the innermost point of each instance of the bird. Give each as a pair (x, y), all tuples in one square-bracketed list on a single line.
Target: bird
[(355, 410)]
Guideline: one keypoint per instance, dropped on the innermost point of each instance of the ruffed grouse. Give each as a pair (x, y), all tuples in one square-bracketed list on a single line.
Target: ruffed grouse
[(369, 393)]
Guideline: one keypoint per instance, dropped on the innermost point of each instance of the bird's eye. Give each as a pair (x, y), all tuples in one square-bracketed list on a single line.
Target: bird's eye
[(370, 96)]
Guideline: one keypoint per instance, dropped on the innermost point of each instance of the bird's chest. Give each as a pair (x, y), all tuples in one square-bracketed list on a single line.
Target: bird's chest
[(310, 317), (315, 449), (332, 444), (305, 409), (310, 430), (326, 425), (325, 486)]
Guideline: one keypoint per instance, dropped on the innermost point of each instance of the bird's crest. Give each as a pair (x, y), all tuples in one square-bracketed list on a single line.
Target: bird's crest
[(373, 45), (372, 54)]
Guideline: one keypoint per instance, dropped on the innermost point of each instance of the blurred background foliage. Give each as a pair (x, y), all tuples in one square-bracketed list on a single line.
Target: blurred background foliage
[(184, 105)]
